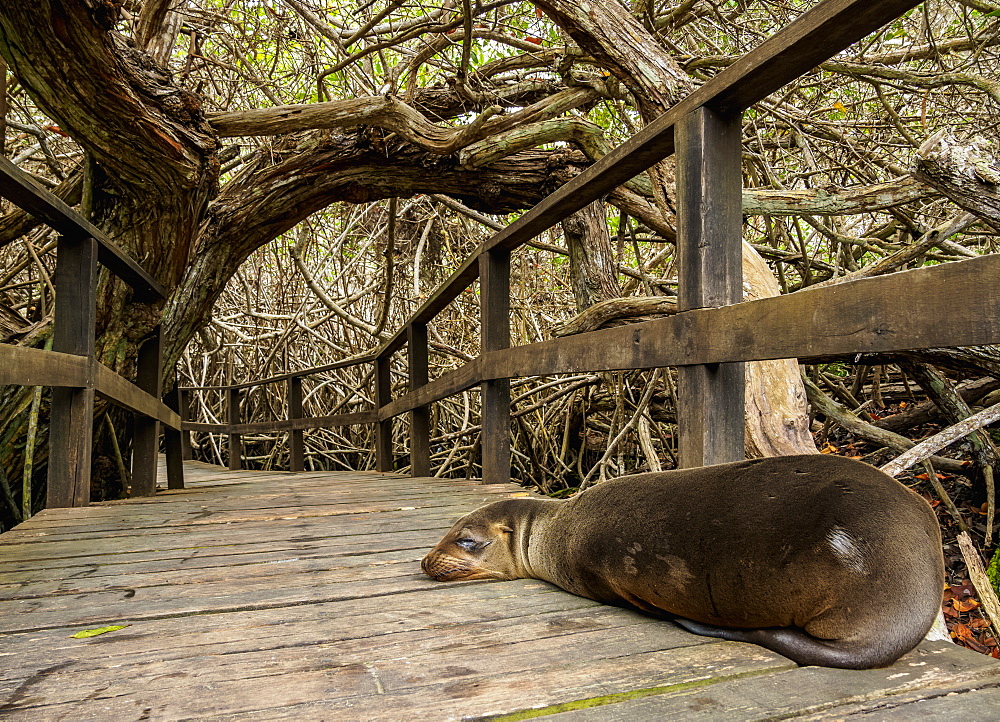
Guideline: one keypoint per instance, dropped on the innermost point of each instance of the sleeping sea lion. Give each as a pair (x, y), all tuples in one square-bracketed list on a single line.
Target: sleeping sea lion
[(825, 560)]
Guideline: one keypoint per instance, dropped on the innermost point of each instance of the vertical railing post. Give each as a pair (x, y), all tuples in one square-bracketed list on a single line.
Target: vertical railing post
[(235, 444), (383, 428), (173, 440), (184, 411), (710, 273), (420, 418), (71, 430), (296, 439), (146, 437), (494, 304)]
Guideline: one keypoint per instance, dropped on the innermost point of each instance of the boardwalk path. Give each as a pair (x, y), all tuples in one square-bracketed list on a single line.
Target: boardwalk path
[(299, 597)]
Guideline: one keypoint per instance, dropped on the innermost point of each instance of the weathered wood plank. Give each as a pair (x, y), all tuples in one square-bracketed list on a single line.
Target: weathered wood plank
[(266, 427), (494, 308), (420, 417), (72, 411), (234, 443), (710, 273), (175, 441), (454, 382), (146, 434), (296, 441), (124, 393), (346, 363), (930, 675), (384, 460), (20, 366), (888, 313)]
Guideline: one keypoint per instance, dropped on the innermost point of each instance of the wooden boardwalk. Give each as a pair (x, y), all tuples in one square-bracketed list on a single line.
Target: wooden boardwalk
[(283, 596)]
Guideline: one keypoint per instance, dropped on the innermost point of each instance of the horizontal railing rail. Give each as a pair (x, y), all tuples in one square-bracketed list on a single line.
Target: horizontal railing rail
[(71, 368), (714, 331)]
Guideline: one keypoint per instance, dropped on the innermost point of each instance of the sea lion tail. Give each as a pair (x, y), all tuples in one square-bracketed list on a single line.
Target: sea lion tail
[(805, 649)]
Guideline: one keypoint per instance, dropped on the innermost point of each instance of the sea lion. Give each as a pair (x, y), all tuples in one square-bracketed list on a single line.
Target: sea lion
[(823, 559)]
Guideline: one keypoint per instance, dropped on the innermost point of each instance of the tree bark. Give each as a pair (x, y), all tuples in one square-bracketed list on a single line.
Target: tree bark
[(591, 256), (776, 411)]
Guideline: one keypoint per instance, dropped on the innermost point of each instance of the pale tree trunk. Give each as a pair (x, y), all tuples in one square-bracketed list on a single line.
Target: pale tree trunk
[(777, 410), (593, 267), (776, 413)]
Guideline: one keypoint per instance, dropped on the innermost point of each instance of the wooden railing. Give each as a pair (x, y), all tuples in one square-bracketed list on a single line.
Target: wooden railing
[(71, 368), (713, 333)]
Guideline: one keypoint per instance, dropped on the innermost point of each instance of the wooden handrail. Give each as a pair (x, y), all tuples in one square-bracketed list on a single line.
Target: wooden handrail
[(71, 368), (346, 363), (890, 313), (19, 189)]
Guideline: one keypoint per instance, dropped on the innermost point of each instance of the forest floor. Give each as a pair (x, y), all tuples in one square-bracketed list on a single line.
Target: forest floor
[(967, 623)]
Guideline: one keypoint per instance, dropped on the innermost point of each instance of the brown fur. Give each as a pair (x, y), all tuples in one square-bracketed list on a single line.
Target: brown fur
[(820, 558)]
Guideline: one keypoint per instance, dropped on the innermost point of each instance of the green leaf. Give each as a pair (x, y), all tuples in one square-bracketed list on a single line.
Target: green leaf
[(94, 632)]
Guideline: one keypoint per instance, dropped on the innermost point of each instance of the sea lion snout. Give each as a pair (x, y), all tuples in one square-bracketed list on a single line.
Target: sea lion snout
[(444, 568), (477, 547)]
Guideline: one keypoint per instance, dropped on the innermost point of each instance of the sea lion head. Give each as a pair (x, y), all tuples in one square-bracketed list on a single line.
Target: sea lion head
[(479, 546)]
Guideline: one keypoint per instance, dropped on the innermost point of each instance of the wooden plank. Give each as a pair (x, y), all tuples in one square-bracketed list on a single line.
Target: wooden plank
[(123, 392), (931, 674), (235, 444), (346, 363), (279, 425), (894, 312), (313, 422), (494, 314), (21, 366), (184, 411), (296, 442), (383, 397), (710, 273), (454, 382), (195, 637), (72, 415), (815, 36), (146, 434), (173, 443), (888, 313), (420, 417), (16, 187)]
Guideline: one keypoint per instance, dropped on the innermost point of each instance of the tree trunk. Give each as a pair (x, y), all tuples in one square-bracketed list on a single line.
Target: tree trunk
[(776, 411), (591, 256)]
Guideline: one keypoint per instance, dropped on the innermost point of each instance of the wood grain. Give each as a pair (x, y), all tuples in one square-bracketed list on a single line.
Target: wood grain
[(299, 596)]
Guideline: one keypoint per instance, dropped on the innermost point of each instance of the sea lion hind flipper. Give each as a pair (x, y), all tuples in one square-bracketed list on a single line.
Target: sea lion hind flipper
[(801, 647), (708, 630)]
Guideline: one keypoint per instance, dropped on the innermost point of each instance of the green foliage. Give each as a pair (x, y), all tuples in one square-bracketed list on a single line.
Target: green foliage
[(993, 571)]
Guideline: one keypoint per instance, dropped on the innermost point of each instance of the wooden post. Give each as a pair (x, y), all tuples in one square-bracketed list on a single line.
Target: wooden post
[(420, 418), (296, 440), (173, 441), (235, 443), (71, 430), (184, 411), (146, 437), (710, 273), (494, 305), (383, 431)]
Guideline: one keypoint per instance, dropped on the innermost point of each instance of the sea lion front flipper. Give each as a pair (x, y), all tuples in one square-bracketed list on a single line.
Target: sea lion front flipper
[(803, 648)]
